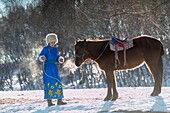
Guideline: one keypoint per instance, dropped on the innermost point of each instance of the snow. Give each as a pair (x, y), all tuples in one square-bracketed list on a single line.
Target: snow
[(136, 99)]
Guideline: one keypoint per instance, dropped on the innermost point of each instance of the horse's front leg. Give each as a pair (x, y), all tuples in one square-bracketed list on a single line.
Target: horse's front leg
[(115, 93), (109, 94), (111, 83)]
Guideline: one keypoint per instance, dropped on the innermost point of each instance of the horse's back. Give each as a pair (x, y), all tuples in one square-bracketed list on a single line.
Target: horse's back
[(150, 47), (147, 39)]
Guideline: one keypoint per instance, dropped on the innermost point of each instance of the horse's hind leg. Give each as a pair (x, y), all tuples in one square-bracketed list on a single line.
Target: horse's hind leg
[(158, 79), (156, 70)]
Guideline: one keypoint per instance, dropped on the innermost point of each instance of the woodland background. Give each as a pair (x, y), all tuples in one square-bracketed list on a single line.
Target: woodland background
[(24, 25)]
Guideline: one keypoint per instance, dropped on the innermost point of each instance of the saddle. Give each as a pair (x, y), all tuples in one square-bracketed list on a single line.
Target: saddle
[(119, 45)]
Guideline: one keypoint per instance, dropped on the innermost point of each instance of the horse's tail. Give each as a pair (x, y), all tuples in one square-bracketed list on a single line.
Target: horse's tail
[(162, 52), (162, 49), (160, 66)]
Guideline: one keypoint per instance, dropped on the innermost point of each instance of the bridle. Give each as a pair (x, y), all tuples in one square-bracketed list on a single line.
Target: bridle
[(86, 53)]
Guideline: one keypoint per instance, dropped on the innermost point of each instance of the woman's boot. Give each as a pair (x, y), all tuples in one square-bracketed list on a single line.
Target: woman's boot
[(60, 102), (49, 101)]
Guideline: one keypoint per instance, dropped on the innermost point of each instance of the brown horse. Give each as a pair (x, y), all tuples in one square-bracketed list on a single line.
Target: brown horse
[(146, 50)]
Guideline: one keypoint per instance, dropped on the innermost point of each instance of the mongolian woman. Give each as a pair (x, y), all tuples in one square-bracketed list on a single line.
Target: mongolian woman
[(51, 78)]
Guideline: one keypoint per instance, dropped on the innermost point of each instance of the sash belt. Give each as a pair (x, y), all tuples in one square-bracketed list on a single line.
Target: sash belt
[(50, 62)]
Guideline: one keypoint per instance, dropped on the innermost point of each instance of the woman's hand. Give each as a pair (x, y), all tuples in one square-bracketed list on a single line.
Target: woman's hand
[(61, 59), (42, 58)]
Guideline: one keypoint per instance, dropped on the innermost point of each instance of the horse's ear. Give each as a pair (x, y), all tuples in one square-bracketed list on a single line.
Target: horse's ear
[(84, 43), (84, 40), (75, 42)]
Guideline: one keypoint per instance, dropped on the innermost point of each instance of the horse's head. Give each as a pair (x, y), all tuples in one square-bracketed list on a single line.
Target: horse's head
[(81, 52)]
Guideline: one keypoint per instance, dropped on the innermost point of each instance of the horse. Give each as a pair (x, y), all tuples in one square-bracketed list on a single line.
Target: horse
[(146, 50)]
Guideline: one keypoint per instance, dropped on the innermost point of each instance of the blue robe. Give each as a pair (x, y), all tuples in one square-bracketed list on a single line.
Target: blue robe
[(51, 79)]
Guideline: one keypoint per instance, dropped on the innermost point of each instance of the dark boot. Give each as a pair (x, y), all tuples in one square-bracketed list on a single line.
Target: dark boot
[(49, 101), (60, 102)]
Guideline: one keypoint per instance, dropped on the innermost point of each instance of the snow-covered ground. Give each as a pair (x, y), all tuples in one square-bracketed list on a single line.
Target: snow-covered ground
[(136, 100)]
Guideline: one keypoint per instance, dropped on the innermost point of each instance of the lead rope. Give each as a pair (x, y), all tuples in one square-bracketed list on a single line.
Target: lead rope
[(102, 52), (66, 86)]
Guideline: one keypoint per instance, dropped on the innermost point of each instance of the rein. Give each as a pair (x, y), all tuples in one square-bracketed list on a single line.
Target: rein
[(87, 53), (66, 86), (102, 52)]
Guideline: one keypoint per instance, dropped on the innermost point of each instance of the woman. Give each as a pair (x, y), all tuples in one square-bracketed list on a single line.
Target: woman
[(52, 82)]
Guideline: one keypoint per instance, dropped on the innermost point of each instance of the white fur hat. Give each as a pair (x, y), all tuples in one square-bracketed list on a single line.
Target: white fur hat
[(51, 37)]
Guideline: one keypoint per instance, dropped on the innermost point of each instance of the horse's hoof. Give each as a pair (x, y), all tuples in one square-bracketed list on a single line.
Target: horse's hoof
[(154, 94), (114, 99), (107, 99)]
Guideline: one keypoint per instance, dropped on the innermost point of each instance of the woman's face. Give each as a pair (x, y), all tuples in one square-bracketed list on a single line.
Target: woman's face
[(52, 44)]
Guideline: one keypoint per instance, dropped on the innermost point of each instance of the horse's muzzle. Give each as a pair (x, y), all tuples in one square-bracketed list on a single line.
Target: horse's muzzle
[(78, 61), (77, 64)]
